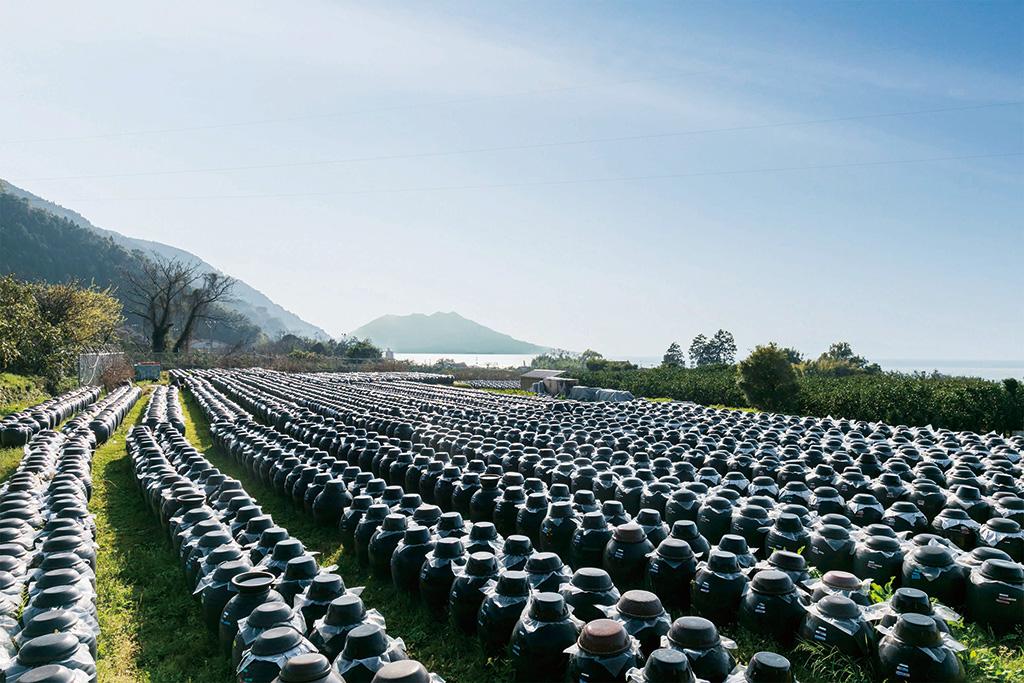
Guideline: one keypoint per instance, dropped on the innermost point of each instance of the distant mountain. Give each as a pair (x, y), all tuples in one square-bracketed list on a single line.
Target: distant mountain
[(440, 333), (272, 318)]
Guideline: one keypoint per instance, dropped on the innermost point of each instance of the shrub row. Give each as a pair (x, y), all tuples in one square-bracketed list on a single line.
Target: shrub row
[(958, 403)]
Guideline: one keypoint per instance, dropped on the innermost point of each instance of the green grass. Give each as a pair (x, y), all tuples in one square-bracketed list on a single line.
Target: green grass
[(742, 410), (441, 648), (18, 392), (512, 392), (151, 628)]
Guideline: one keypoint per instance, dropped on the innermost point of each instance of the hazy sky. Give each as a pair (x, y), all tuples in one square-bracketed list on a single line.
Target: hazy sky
[(614, 176)]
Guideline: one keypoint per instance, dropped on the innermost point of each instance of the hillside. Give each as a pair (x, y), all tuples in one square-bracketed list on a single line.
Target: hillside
[(272, 318), (440, 333)]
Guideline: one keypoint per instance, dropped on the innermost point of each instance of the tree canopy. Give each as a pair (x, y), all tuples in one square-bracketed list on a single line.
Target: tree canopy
[(720, 349), (45, 326), (673, 357)]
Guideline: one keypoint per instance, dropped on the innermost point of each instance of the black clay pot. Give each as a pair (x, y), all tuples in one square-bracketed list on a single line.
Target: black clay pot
[(837, 622), (793, 564), (603, 653), (265, 617), (469, 590), (589, 590), (308, 668), (644, 618), (957, 526), (251, 590), (841, 583), (771, 607), (383, 543), (506, 509), (787, 533), (318, 596), (407, 559), (718, 587), (350, 520), (698, 639), (451, 525), (995, 595), (752, 523), (547, 572), (685, 530), (1003, 534), (344, 614), (540, 638), (830, 548), (62, 649), (269, 652), (768, 667), (625, 556), (665, 665), (715, 518), (331, 503), (878, 558), (368, 526), (736, 545), (682, 505), (557, 530), (932, 569), (913, 650), (438, 573), (501, 609), (298, 574), (650, 521), (217, 590), (589, 541), (911, 601), (670, 571), (481, 506), (367, 650)]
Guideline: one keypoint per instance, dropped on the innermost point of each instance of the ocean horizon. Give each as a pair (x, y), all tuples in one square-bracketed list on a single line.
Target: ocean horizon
[(984, 369)]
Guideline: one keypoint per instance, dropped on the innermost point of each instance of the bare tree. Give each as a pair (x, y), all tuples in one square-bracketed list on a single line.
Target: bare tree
[(200, 304), (169, 294), (155, 292)]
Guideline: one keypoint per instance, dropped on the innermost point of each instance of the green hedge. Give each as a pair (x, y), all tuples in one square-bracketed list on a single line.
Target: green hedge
[(953, 402)]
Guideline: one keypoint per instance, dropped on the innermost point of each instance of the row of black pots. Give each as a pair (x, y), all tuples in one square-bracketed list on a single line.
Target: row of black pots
[(512, 607), (164, 406), (872, 551), (18, 428), (276, 613), (48, 552)]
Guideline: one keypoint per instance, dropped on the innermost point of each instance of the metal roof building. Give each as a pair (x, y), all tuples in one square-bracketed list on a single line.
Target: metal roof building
[(527, 379)]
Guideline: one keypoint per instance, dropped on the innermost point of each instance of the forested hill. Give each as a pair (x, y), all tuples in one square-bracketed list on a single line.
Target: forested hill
[(272, 318), (37, 245)]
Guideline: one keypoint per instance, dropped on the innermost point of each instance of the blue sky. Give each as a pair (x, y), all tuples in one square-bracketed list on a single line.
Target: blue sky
[(605, 175)]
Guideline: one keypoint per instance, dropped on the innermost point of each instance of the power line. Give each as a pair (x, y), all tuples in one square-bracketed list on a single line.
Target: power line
[(571, 181), (528, 146), (354, 112)]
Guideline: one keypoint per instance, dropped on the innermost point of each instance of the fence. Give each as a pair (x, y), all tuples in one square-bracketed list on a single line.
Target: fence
[(91, 366)]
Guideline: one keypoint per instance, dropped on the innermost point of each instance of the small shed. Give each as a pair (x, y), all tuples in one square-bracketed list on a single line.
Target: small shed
[(527, 379), (150, 371)]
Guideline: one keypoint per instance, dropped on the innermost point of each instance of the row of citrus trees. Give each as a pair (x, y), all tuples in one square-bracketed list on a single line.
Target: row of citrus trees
[(953, 402)]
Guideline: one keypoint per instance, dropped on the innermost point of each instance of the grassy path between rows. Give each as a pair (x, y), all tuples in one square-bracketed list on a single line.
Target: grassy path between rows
[(456, 657), (151, 628)]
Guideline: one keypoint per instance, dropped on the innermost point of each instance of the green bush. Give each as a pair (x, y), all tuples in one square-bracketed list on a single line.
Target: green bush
[(959, 403), (767, 379)]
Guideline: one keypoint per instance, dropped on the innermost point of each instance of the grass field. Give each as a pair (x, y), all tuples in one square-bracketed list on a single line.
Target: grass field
[(152, 631)]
